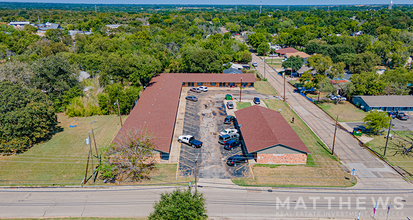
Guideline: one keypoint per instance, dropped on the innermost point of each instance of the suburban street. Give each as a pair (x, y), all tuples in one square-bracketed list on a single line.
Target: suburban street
[(371, 171), (224, 201)]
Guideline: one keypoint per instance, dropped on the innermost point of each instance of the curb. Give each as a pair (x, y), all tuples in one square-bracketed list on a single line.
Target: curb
[(366, 147)]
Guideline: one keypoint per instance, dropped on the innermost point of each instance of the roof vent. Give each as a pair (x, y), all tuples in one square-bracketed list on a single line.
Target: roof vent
[(150, 113)]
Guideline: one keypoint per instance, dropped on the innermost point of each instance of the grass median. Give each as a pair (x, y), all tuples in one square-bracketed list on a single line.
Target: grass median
[(241, 105), (321, 170), (62, 159), (346, 111), (395, 150), (264, 87)]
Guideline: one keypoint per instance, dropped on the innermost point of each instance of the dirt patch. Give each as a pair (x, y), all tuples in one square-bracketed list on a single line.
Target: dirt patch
[(212, 165)]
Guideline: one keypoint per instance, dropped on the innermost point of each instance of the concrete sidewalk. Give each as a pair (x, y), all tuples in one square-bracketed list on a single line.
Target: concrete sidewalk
[(350, 152)]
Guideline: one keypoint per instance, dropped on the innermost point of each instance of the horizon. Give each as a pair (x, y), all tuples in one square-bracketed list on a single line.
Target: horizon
[(218, 3)]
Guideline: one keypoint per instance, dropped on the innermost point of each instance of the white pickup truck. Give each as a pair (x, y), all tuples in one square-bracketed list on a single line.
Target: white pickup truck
[(190, 140)]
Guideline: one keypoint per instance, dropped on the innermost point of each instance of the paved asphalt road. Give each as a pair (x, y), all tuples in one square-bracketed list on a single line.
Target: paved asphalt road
[(371, 171), (223, 200)]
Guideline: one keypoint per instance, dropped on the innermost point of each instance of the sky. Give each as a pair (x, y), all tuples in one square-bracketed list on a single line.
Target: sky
[(228, 2)]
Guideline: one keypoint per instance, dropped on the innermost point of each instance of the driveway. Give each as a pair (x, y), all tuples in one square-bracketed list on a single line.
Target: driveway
[(398, 125), (347, 147), (204, 120)]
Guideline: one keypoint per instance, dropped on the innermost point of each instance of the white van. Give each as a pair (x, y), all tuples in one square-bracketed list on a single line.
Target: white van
[(227, 137)]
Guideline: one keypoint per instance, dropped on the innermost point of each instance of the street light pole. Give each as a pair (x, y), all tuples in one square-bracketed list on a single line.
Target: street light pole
[(284, 84), (334, 139), (387, 140), (240, 88), (264, 66)]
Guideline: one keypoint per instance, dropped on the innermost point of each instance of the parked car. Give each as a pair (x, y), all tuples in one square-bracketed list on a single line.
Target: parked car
[(190, 140), (254, 64), (229, 119), (236, 159), (227, 137), (195, 89), (228, 131), (392, 115), (232, 144), (402, 116), (191, 98), (230, 105), (203, 88), (332, 97), (257, 100)]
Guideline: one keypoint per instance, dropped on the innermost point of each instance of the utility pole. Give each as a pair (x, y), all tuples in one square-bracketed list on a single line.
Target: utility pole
[(334, 139), (91, 153), (87, 164), (387, 140), (196, 173), (284, 84), (117, 102), (94, 140), (264, 66), (240, 88)]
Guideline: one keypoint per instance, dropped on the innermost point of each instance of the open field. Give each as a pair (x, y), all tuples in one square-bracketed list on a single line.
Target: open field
[(264, 87), (321, 170), (394, 152), (241, 105), (62, 159), (346, 111)]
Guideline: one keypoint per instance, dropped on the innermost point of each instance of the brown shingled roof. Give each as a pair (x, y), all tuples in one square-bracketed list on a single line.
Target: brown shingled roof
[(262, 128), (286, 50), (157, 107), (156, 111), (208, 77)]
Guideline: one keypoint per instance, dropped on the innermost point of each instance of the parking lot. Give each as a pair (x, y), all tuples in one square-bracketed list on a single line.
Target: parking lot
[(204, 120), (398, 125)]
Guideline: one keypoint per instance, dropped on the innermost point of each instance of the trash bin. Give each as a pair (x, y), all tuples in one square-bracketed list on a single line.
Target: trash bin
[(228, 97), (357, 132)]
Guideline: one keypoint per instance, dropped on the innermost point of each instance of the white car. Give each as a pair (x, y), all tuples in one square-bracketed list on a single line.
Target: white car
[(228, 131), (203, 88)]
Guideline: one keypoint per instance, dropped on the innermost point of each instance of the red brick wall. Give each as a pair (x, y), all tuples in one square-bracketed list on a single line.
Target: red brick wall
[(281, 158)]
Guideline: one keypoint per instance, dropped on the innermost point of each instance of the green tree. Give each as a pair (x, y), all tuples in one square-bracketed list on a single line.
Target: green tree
[(377, 121), (257, 39), (204, 61), (55, 35), (263, 48), (368, 83), (179, 204), (27, 116), (54, 75), (16, 72), (117, 91), (129, 158), (365, 62), (296, 62)]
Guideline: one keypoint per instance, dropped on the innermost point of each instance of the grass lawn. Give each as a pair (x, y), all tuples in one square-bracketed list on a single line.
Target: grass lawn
[(264, 87), (321, 170), (394, 152), (241, 105), (346, 111), (62, 159)]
